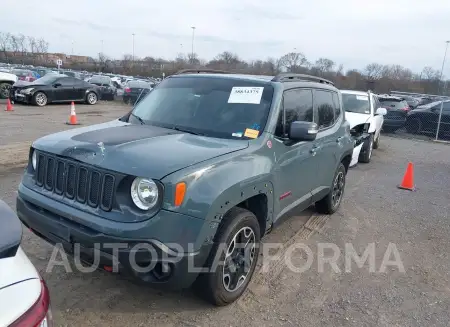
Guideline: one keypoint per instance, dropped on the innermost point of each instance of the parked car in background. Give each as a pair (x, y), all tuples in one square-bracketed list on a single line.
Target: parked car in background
[(424, 100), (24, 296), (106, 85), (25, 75), (7, 80), (42, 71), (71, 74), (134, 91), (425, 119), (365, 115), (55, 88), (411, 101), (397, 109)]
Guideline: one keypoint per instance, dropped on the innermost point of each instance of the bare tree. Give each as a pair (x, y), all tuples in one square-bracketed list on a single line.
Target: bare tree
[(430, 74), (22, 44), (193, 59), (373, 71), (294, 61), (324, 65), (5, 44), (32, 44)]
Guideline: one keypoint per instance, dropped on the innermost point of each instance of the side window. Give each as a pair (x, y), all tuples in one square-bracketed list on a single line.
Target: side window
[(337, 105), (325, 108), (297, 106), (66, 81)]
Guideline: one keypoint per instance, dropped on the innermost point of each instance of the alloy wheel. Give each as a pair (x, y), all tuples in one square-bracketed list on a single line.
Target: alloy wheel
[(92, 98), (238, 259), (338, 188), (41, 99)]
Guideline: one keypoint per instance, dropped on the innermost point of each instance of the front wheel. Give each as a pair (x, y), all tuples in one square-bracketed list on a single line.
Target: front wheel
[(366, 153), (331, 202), (233, 258), (91, 98), (5, 89), (40, 99)]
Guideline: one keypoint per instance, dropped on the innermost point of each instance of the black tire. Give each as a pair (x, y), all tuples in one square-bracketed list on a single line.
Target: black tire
[(366, 151), (126, 100), (40, 99), (413, 125), (211, 285), (91, 98), (376, 143), (328, 205), (5, 89)]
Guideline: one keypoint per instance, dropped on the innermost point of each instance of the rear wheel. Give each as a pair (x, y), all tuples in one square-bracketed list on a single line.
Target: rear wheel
[(331, 202), (91, 98), (40, 99), (232, 259)]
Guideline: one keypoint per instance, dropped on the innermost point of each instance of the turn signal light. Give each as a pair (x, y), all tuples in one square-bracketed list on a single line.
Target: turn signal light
[(180, 191)]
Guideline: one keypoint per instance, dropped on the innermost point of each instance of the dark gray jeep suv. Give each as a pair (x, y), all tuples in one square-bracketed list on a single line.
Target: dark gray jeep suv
[(183, 187)]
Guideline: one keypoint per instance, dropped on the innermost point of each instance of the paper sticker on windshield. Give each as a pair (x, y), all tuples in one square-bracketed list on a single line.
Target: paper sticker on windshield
[(251, 133), (362, 97), (246, 95), (237, 134)]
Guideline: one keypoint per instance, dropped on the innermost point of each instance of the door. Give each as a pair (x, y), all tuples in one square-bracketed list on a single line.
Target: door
[(65, 89), (295, 171), (329, 117), (80, 89), (444, 126)]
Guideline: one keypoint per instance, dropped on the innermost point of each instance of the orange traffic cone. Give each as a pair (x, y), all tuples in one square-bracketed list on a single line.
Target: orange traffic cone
[(9, 106), (408, 179), (73, 116)]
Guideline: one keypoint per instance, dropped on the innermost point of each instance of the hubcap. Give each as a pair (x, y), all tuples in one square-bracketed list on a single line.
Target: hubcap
[(338, 188), (40, 99), (238, 259), (92, 98)]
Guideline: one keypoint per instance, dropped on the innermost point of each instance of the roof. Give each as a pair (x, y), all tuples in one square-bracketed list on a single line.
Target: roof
[(354, 92), (234, 76)]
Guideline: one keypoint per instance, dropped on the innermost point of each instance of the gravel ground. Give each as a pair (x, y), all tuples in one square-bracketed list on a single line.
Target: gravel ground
[(373, 211)]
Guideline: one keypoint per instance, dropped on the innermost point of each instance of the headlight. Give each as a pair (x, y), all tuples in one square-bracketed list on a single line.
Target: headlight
[(27, 91), (34, 160), (144, 193)]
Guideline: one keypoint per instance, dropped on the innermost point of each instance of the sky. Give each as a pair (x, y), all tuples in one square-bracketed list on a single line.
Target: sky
[(411, 33)]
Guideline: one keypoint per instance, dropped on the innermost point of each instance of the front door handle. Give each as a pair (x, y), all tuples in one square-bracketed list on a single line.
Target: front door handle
[(339, 139)]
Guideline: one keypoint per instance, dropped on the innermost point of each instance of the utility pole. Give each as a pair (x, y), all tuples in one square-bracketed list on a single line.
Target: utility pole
[(102, 47), (133, 47), (442, 90), (192, 51)]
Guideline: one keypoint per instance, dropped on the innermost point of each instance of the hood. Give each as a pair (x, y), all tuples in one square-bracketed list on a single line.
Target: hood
[(356, 119), (21, 83), (139, 150), (8, 77)]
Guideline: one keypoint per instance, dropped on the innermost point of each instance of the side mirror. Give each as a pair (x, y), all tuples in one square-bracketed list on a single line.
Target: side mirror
[(303, 131), (57, 85), (381, 111)]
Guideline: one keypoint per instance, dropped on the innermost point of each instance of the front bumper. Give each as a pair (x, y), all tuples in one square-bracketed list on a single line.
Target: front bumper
[(146, 259), (358, 148), (18, 97)]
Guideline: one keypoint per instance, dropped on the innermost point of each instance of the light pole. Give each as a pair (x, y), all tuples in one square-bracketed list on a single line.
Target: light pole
[(442, 89), (192, 51), (102, 47), (72, 48), (133, 47)]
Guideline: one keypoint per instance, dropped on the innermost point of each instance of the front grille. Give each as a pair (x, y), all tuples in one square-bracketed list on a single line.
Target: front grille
[(75, 181)]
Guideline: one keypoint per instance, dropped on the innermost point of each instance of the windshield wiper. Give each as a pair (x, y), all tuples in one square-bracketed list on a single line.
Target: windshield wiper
[(138, 118), (185, 130)]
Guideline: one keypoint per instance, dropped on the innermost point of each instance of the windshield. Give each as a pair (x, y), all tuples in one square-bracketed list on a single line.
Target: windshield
[(356, 103), (20, 72), (47, 79), (216, 107)]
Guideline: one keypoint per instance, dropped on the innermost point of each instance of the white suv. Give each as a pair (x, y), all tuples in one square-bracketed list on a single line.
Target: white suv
[(364, 113)]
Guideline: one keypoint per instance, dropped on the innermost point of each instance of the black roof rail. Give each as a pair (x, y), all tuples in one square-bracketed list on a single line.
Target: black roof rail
[(289, 76), (202, 70)]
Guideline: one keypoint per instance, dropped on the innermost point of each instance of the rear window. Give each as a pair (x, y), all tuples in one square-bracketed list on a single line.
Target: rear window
[(100, 80), (138, 84), (393, 104), (20, 72)]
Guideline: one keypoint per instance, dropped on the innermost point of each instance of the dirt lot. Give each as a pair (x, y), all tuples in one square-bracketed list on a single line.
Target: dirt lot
[(374, 211)]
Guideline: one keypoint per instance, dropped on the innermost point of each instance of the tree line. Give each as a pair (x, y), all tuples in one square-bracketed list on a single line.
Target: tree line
[(21, 49)]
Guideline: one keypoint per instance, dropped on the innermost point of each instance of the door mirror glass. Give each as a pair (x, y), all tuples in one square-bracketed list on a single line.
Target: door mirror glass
[(303, 131), (381, 111)]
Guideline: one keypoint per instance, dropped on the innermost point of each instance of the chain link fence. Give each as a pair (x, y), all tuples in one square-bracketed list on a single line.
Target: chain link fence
[(416, 116)]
